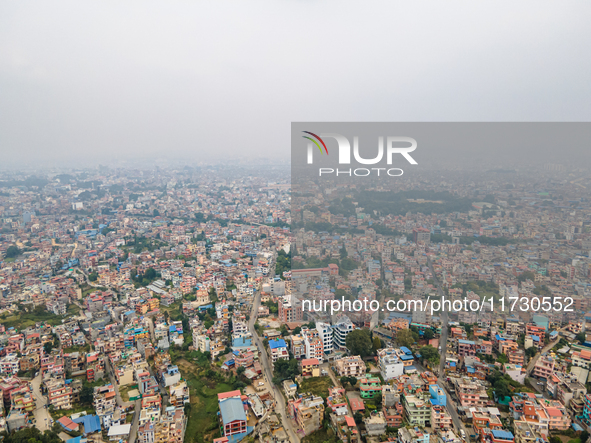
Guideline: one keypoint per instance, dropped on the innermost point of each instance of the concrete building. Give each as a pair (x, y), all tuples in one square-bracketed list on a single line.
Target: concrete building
[(390, 364), (340, 332), (352, 366), (325, 333)]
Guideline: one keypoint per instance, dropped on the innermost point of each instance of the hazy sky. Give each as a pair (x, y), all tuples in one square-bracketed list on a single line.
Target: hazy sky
[(104, 80)]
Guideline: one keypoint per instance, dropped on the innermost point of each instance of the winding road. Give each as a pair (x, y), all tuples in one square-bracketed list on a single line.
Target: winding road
[(268, 372)]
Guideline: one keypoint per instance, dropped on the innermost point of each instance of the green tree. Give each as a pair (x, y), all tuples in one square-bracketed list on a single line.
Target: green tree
[(430, 354), (285, 369), (531, 352), (343, 252), (377, 400), (428, 334), (527, 275), (86, 395), (501, 389), (213, 295), (12, 252), (31, 435), (405, 337), (358, 342), (377, 344)]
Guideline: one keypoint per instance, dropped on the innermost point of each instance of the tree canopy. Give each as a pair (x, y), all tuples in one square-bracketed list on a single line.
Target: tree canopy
[(31, 435), (405, 337), (430, 354), (12, 252), (285, 369), (359, 342)]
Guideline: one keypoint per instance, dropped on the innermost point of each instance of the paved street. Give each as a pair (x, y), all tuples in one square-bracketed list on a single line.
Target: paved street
[(113, 381), (532, 362), (136, 422), (451, 406), (41, 414), (444, 321), (268, 372)]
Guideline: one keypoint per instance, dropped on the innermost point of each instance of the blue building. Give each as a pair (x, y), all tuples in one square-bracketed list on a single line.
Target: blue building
[(438, 396)]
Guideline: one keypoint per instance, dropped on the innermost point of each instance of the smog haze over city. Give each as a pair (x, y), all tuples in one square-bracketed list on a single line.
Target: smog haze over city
[(144, 83), (295, 221)]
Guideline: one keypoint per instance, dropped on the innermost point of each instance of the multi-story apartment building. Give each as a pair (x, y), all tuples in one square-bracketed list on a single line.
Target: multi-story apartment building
[(369, 387), (390, 364), (325, 333), (201, 341), (413, 435), (9, 364), (417, 408), (581, 359), (472, 394), (22, 399), (537, 331), (514, 326), (340, 332), (59, 395), (544, 367), (440, 418), (308, 413), (393, 415), (298, 346), (290, 309), (352, 366), (179, 394), (314, 348), (544, 415), (150, 408), (525, 432), (232, 413), (104, 402), (278, 350), (375, 423)]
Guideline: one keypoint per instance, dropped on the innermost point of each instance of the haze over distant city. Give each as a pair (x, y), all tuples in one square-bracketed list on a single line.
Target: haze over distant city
[(147, 83)]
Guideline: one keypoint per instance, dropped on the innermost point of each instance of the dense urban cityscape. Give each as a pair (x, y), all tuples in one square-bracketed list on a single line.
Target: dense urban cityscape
[(173, 305)]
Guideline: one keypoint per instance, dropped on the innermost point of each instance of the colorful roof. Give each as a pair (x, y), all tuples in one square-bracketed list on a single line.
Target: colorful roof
[(232, 409)]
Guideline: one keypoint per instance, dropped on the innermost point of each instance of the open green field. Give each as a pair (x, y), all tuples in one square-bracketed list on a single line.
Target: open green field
[(203, 423), (73, 309), (321, 436), (22, 320), (317, 386)]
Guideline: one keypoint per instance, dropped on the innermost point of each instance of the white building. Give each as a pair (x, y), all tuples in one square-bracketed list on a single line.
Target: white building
[(9, 364), (389, 364), (340, 332), (326, 335), (314, 347), (201, 342)]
